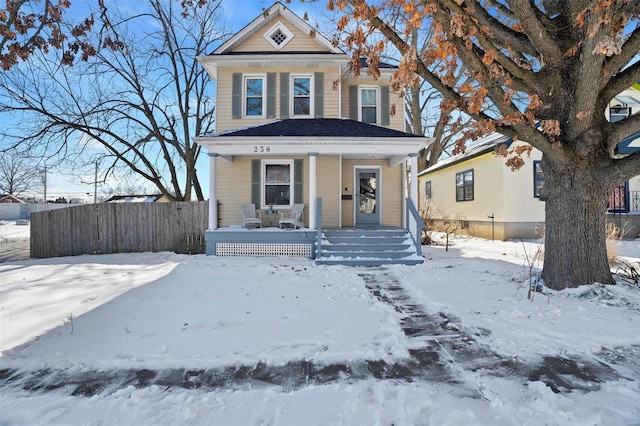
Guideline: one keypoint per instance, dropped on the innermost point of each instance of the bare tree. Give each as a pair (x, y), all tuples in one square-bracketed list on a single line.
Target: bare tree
[(135, 104), (423, 113), (18, 174)]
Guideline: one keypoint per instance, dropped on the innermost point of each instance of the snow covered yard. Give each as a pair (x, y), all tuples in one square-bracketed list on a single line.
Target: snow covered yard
[(198, 315)]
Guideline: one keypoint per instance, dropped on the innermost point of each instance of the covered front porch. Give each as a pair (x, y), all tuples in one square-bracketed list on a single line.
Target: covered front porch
[(366, 177)]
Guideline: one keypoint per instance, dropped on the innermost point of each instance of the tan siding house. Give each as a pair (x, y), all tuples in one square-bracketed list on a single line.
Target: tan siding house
[(479, 195), (295, 127)]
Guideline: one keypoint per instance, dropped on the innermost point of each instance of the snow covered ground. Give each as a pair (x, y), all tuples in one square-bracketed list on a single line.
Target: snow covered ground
[(96, 315)]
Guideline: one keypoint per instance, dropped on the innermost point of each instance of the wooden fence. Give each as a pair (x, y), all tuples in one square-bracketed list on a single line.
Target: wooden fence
[(120, 228)]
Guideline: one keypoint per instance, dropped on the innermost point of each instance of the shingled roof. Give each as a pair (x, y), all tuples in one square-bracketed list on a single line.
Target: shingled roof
[(317, 127)]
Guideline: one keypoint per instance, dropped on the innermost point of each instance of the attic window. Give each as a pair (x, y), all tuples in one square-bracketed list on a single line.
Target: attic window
[(278, 35)]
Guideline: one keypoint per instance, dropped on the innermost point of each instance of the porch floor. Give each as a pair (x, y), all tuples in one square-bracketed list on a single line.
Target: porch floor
[(352, 246)]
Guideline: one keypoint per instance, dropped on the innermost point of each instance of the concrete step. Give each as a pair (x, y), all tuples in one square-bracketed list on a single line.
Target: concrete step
[(367, 247)]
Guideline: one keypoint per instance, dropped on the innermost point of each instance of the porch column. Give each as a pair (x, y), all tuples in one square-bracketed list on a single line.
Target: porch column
[(213, 200), (414, 179), (405, 193), (312, 189)]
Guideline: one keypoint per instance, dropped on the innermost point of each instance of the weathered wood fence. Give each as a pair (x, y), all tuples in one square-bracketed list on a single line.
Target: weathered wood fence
[(120, 228)]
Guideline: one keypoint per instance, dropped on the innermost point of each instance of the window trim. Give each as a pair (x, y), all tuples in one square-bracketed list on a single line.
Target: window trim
[(263, 182), (536, 192), (378, 102), (464, 186), (246, 77), (619, 115), (311, 78), (427, 190)]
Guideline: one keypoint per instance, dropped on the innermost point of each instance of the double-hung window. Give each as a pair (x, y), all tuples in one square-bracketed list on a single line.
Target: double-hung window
[(277, 181), (368, 98), (301, 95), (254, 95), (464, 186), (427, 189)]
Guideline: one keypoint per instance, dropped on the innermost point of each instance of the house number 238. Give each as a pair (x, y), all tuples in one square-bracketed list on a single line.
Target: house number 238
[(261, 148)]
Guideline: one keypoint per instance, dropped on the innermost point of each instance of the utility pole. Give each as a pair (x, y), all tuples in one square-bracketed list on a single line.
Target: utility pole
[(44, 181), (95, 185)]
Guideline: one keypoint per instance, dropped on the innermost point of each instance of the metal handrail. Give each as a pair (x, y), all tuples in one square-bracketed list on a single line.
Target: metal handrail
[(411, 209), (318, 227)]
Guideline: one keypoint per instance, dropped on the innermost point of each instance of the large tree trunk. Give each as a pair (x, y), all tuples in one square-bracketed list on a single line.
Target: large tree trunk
[(575, 219)]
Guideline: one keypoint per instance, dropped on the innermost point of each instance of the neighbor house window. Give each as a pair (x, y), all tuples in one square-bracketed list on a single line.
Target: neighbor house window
[(618, 112), (368, 102), (301, 94), (277, 180), (464, 186), (618, 199), (254, 96), (538, 179), (427, 189)]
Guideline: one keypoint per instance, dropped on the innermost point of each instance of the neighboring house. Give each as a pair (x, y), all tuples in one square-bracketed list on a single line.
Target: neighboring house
[(10, 199), (294, 126), (150, 198), (478, 195)]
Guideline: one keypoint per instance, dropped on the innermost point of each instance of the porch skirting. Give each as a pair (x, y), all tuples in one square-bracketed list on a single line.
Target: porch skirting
[(260, 242), (263, 249)]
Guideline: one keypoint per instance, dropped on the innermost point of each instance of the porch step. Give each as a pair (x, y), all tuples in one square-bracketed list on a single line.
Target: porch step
[(367, 247)]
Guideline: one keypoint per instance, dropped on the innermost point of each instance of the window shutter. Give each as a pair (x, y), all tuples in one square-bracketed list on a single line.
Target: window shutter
[(384, 105), (284, 95), (255, 183), (271, 95), (353, 102), (318, 86), (297, 181), (236, 95)]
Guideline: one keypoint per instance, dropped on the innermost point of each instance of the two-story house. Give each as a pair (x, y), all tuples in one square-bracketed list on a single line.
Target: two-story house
[(294, 126)]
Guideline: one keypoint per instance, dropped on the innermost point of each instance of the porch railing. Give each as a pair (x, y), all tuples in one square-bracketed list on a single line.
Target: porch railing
[(318, 227), (413, 217)]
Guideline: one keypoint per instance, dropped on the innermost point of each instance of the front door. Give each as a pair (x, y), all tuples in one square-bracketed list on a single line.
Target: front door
[(367, 197)]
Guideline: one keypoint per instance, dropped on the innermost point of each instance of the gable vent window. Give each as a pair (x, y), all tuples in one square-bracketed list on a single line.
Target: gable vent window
[(278, 35)]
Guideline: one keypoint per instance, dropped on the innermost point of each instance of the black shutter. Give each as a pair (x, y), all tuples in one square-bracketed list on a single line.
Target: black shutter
[(319, 95), (255, 182), (271, 95), (384, 105), (284, 95), (236, 95), (353, 102), (297, 181)]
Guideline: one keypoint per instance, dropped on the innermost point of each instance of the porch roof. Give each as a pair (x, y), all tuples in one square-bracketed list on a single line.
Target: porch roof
[(328, 136)]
